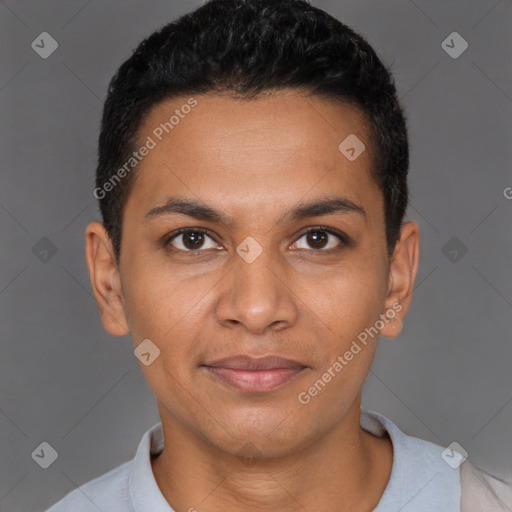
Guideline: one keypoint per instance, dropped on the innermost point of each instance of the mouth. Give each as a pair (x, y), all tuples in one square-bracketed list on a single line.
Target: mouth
[(254, 375)]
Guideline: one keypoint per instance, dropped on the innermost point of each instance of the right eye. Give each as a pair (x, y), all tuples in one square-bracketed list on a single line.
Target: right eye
[(192, 240)]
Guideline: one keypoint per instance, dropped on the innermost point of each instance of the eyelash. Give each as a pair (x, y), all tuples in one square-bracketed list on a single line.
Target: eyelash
[(344, 239)]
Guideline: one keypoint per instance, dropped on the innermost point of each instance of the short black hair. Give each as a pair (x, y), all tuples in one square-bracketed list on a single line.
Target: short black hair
[(245, 48)]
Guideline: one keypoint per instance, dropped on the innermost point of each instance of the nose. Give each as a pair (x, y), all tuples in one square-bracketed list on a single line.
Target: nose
[(256, 294)]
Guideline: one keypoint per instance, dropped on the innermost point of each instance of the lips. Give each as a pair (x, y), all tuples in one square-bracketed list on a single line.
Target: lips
[(243, 362), (254, 375)]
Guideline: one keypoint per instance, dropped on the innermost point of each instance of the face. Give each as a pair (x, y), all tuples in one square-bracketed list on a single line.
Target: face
[(258, 275)]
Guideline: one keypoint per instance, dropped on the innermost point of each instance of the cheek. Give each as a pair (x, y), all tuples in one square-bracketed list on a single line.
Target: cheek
[(170, 310), (356, 301), (158, 299), (348, 300), (348, 345)]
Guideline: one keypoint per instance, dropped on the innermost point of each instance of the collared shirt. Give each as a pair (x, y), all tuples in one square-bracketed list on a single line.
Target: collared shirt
[(424, 478)]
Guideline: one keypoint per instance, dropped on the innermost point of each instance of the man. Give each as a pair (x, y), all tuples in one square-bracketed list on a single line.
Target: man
[(252, 180)]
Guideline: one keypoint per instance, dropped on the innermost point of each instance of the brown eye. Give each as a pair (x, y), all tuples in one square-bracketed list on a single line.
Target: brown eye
[(317, 239), (193, 240), (322, 239), (190, 240)]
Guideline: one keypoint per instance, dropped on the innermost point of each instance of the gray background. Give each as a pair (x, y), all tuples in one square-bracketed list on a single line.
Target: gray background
[(64, 380)]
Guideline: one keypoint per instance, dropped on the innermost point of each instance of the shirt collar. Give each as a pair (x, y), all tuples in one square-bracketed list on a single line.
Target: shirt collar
[(146, 495), (144, 491)]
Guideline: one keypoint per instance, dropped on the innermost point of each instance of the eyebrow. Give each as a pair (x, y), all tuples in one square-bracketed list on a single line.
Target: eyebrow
[(201, 211)]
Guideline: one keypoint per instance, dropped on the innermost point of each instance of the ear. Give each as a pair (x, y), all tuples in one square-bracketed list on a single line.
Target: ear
[(105, 280), (402, 274)]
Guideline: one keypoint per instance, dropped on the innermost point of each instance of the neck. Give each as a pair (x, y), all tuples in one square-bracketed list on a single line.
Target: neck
[(347, 469)]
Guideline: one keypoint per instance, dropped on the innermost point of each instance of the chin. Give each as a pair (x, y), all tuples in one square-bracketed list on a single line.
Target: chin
[(269, 439)]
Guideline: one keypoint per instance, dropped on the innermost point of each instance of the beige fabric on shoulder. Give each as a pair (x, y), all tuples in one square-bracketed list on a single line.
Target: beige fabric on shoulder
[(483, 492)]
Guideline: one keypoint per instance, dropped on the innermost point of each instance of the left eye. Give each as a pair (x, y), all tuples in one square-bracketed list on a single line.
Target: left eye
[(318, 239)]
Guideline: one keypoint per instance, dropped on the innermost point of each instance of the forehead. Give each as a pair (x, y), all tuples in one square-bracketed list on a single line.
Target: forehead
[(303, 123), (267, 151)]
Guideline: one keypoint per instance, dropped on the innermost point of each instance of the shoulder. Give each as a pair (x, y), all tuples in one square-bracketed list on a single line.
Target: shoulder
[(421, 480), (129, 486), (106, 492), (484, 492)]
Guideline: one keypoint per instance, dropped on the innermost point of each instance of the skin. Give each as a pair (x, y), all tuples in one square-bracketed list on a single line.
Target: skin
[(255, 160)]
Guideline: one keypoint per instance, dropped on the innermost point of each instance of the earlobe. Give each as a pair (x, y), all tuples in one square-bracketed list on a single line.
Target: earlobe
[(392, 318), (105, 280), (402, 275)]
